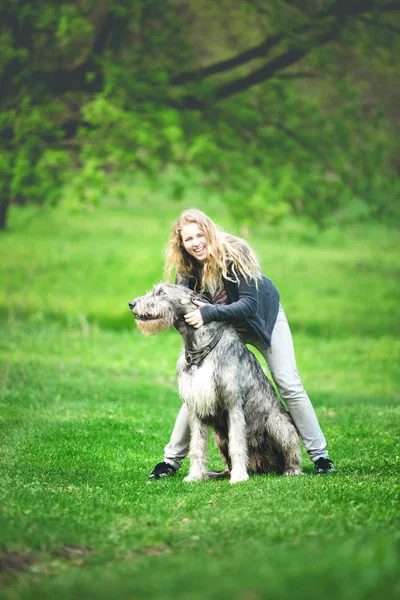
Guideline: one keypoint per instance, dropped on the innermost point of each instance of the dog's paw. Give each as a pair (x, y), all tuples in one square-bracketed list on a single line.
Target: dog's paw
[(238, 477), (293, 472)]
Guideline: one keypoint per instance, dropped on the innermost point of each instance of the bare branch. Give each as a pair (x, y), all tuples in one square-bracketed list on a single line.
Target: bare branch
[(268, 70), (226, 65), (337, 9)]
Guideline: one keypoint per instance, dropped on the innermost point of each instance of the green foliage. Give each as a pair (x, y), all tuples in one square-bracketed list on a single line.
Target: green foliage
[(145, 85)]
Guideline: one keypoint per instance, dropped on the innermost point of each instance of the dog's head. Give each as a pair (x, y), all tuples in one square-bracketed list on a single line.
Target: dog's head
[(163, 307)]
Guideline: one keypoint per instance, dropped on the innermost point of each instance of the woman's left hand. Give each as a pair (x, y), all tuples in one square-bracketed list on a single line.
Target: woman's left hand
[(194, 318)]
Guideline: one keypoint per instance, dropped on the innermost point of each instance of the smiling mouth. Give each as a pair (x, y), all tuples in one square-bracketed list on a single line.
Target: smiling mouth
[(199, 250)]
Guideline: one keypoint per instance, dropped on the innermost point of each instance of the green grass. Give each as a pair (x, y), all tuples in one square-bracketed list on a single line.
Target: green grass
[(87, 405)]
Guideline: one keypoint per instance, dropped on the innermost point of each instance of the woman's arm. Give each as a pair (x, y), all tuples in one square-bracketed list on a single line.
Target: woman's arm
[(245, 306)]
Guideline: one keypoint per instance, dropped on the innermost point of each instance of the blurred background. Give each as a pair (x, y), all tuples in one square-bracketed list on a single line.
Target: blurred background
[(280, 119), (282, 109)]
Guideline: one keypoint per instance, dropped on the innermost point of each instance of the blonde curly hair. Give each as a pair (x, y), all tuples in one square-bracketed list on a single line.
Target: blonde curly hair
[(225, 252)]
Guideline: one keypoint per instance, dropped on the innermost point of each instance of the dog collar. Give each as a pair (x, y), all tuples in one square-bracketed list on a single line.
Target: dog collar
[(195, 357)]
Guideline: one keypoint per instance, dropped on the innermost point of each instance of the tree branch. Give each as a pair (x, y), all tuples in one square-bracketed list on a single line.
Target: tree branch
[(268, 70), (75, 79), (292, 135), (226, 65), (338, 9)]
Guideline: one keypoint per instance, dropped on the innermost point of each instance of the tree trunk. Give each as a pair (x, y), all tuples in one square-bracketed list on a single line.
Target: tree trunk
[(4, 204)]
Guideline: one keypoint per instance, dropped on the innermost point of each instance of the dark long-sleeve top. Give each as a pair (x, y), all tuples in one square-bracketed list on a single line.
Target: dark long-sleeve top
[(256, 306)]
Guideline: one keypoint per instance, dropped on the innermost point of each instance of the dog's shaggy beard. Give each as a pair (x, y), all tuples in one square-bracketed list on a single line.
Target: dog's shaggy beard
[(151, 324)]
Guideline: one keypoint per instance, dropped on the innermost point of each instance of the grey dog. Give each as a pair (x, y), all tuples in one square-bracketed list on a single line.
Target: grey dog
[(223, 386)]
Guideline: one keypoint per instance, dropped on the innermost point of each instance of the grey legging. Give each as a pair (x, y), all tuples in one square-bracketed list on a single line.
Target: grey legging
[(281, 361)]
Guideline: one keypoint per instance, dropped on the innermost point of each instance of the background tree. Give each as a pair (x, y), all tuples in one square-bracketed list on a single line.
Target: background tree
[(288, 105)]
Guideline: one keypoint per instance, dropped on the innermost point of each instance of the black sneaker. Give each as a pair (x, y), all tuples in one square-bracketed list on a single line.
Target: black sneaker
[(324, 465), (163, 469)]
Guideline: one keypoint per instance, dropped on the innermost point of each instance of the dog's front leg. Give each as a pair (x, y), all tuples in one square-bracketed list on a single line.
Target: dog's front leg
[(198, 449), (237, 444)]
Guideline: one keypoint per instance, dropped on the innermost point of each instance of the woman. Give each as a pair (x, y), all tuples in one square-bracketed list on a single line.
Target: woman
[(225, 268)]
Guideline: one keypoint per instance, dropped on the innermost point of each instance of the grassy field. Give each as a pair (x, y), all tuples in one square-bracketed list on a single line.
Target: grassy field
[(87, 405)]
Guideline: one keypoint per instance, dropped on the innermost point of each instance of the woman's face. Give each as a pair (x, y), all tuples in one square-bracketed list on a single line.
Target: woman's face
[(194, 241)]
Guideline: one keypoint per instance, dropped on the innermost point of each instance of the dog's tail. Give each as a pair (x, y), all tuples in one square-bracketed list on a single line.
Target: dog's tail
[(218, 474)]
